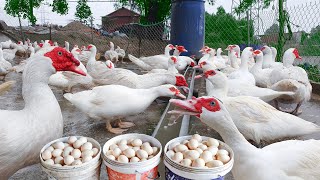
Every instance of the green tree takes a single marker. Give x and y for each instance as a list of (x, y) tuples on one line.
[(246, 4), (274, 29), (83, 11), (60, 6)]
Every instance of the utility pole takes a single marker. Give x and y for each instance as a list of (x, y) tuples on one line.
[(281, 40)]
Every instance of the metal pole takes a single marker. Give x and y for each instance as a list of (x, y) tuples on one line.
[(281, 31), (91, 23), (50, 32), (248, 27)]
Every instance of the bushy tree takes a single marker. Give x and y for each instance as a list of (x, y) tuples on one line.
[(83, 11), (60, 6), (274, 29), (246, 4)]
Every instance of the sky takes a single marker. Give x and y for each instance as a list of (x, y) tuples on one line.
[(99, 9)]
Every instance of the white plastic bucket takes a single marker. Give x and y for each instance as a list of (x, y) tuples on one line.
[(175, 171), (145, 170), (86, 171)]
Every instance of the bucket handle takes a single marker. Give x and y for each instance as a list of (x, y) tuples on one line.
[(150, 178)]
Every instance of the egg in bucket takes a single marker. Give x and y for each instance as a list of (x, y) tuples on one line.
[(197, 157), (131, 157), (71, 158)]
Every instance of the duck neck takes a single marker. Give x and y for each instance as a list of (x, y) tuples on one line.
[(258, 64), (156, 79), (92, 56), (288, 60), (231, 135), (111, 46), (234, 62), (244, 63), (176, 52), (220, 86), (219, 54), (167, 51)]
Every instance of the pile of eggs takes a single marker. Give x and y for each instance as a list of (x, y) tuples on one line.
[(198, 153), (74, 152), (132, 150)]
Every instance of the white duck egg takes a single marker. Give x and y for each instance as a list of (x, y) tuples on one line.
[(49, 161), (58, 145), (155, 150), (50, 148), (144, 159), (109, 152), (145, 144), (66, 145), (68, 160), (203, 147), (170, 153), (46, 155), (58, 165), (116, 152), (148, 149), (86, 159), (206, 156), (123, 159), (191, 154), (186, 162), (113, 146), (149, 157), (87, 153), (136, 143), (136, 148), (129, 153), (123, 141), (142, 154), (199, 150), (180, 148), (78, 144), (111, 157), (213, 142), (223, 158), (76, 162), (129, 141), (76, 153), (134, 159), (173, 145), (185, 142), (66, 152), (197, 137), (69, 148), (214, 163), (204, 142), (198, 163), (177, 157), (72, 139), (193, 144), (58, 160), (83, 139), (222, 152), (123, 147), (57, 152), (86, 146), (213, 150), (95, 151)]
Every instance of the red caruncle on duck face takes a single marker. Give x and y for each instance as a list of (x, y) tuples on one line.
[(63, 60), (181, 81), (209, 73), (174, 59), (211, 104)]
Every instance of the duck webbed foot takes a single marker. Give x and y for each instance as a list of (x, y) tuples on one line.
[(114, 130)]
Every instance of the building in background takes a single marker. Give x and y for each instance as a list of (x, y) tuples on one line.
[(119, 18)]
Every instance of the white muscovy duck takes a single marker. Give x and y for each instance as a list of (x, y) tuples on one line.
[(67, 46), (183, 61), (25, 132), (110, 64), (153, 62), (262, 76), (274, 53), (256, 119), (67, 80), (5, 66), (6, 44), (36, 46), (233, 56), (291, 78), (269, 58), (10, 54), (105, 102), (285, 160), (121, 53), (111, 54), (243, 74), (172, 60), (235, 48), (94, 67)]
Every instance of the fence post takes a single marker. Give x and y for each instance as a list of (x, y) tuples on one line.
[(50, 32), (91, 23), (281, 31)]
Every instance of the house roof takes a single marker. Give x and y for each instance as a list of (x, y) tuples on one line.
[(122, 12)]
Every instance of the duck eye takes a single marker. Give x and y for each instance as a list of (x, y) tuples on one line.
[(60, 53), (212, 103)]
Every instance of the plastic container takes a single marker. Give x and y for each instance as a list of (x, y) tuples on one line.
[(144, 170), (188, 25), (86, 171), (175, 171)]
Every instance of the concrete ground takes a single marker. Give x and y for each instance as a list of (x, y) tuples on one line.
[(77, 123)]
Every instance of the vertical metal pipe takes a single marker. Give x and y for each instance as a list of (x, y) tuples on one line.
[(281, 31)]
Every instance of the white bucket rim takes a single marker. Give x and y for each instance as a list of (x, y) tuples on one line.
[(196, 169), (95, 144)]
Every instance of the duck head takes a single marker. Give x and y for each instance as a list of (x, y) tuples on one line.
[(170, 90), (290, 55), (109, 64), (63, 60), (181, 81), (266, 50), (204, 49)]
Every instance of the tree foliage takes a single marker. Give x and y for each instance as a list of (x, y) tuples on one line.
[(83, 11), (60, 6), (151, 11), (246, 4), (222, 29), (274, 29)]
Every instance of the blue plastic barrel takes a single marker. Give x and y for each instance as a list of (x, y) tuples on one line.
[(187, 25)]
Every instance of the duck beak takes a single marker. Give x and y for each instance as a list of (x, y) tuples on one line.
[(196, 67), (198, 76), (179, 95), (186, 107)]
